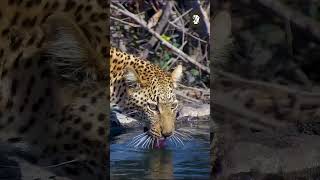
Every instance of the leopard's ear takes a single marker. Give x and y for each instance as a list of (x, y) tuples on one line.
[(131, 78), (70, 51), (176, 74)]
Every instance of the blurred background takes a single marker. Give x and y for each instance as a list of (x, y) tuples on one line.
[(265, 89)]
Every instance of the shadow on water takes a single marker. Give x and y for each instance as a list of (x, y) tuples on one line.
[(190, 161)]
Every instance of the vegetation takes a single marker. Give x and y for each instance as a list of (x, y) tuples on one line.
[(165, 34)]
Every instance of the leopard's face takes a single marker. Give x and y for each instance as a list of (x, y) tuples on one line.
[(155, 103)]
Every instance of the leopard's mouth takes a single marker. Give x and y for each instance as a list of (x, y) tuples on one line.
[(150, 139)]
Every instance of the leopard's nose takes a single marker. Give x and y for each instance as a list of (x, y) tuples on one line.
[(166, 134)]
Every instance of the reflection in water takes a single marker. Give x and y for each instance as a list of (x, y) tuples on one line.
[(188, 162), (161, 166)]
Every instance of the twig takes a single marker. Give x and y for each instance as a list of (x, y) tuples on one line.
[(125, 22), (194, 88), (187, 97), (205, 17), (183, 30), (160, 27), (138, 14), (181, 22), (204, 85), (179, 17), (171, 60), (170, 46), (204, 24)]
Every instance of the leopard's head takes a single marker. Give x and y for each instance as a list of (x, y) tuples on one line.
[(152, 96)]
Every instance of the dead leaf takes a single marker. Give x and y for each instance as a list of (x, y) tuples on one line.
[(153, 21)]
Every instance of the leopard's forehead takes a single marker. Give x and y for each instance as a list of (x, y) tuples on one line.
[(163, 90)]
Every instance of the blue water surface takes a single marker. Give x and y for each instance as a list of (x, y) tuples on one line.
[(192, 161)]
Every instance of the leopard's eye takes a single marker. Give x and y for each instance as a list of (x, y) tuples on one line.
[(153, 106)]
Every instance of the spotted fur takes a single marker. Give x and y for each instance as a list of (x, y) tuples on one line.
[(144, 90), (53, 75), (53, 83)]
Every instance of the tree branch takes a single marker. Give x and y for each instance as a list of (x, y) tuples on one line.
[(164, 42)]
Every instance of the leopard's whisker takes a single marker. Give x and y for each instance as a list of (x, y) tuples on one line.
[(136, 138), (132, 142), (185, 131), (170, 140), (145, 142), (174, 140), (150, 142), (151, 139), (141, 140), (135, 141), (129, 144), (183, 135), (182, 138), (179, 140)]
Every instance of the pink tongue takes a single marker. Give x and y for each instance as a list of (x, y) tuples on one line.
[(160, 144)]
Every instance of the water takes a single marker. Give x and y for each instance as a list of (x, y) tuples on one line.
[(192, 161)]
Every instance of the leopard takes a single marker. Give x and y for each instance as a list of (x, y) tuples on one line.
[(54, 85), (145, 91), (55, 67)]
